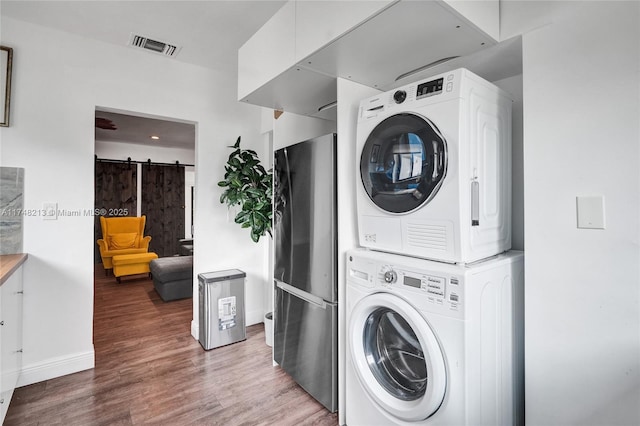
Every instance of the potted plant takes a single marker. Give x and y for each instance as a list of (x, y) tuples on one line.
[(249, 186)]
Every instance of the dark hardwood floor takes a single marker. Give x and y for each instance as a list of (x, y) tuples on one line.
[(149, 370)]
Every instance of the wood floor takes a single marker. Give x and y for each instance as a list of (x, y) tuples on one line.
[(149, 370)]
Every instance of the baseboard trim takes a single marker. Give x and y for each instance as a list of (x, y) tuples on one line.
[(56, 367), (195, 331), (254, 317)]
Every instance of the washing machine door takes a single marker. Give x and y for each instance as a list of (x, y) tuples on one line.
[(403, 162), (397, 357)]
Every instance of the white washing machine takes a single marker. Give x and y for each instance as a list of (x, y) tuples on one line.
[(434, 172), (431, 343)]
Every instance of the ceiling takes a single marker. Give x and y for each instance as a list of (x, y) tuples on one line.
[(208, 32), (125, 128)]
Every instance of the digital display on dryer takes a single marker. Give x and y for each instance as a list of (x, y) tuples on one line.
[(412, 282), (429, 88)]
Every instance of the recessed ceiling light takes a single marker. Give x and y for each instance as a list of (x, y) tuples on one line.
[(155, 138)]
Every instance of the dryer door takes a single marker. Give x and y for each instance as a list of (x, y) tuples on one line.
[(403, 162), (397, 357)]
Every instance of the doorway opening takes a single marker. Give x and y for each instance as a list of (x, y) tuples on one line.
[(144, 166)]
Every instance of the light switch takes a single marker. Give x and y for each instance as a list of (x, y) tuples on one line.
[(50, 211), (590, 211)]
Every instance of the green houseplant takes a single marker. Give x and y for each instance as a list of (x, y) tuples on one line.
[(249, 186)]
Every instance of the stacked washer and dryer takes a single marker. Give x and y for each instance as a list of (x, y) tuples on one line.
[(434, 301)]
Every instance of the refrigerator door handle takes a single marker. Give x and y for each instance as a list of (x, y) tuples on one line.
[(307, 297)]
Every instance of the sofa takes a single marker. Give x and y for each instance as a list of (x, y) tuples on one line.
[(120, 236), (186, 247)]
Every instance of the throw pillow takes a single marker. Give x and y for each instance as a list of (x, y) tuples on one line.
[(123, 240)]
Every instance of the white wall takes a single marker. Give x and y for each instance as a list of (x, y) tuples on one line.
[(581, 137), (59, 79)]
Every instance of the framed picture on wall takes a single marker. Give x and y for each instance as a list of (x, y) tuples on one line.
[(6, 59)]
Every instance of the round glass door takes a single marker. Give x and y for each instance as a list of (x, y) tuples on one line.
[(394, 354), (403, 162), (397, 357)]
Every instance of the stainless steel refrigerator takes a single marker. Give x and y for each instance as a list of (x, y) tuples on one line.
[(305, 340)]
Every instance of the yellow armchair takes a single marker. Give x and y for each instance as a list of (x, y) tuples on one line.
[(122, 235)]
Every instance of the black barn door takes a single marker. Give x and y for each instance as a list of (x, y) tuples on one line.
[(163, 202)]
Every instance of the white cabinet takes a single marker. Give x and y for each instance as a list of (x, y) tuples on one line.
[(405, 37), (268, 71), (293, 61), (268, 53), (318, 23), (10, 337), (483, 14)]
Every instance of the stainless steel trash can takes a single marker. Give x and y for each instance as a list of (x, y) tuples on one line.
[(221, 306)]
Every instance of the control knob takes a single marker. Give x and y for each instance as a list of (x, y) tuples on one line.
[(389, 275), (399, 96)]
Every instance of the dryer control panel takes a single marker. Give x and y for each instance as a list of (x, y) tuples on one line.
[(438, 88), (429, 88)]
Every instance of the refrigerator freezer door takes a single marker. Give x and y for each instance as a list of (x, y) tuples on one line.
[(305, 343), (305, 216)]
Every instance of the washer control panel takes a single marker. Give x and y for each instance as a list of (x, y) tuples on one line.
[(429, 283), (390, 277), (437, 288)]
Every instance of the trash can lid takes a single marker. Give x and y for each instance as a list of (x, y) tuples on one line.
[(228, 274)]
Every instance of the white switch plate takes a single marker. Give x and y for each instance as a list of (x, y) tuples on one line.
[(590, 211), (50, 211)]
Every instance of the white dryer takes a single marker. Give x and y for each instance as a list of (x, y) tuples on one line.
[(431, 343), (434, 171)]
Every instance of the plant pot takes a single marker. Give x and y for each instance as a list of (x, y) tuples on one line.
[(268, 328)]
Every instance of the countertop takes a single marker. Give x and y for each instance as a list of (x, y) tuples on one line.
[(9, 263)]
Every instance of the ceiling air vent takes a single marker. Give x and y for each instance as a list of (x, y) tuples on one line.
[(156, 46)]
